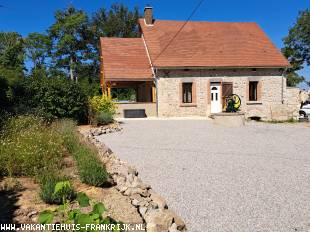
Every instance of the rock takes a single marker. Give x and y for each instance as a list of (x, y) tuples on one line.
[(161, 218), (135, 202), (173, 228), (160, 201), (179, 222), (142, 211), (129, 180), (131, 191), (32, 213)]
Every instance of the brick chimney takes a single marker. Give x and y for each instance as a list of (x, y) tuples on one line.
[(148, 15)]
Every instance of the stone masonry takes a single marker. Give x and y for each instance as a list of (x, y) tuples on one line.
[(275, 100)]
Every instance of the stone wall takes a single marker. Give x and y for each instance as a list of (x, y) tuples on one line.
[(275, 102)]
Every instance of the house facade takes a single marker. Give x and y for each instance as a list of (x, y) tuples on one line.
[(181, 69)]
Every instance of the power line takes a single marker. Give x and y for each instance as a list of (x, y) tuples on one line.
[(181, 28)]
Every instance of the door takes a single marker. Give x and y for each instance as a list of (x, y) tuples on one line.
[(216, 104)]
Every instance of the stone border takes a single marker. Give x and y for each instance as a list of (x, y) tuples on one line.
[(151, 206)]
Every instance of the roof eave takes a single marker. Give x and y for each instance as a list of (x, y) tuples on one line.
[(220, 67)]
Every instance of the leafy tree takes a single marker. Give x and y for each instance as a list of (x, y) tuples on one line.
[(11, 56), (297, 47), (119, 21), (52, 98), (38, 47), (69, 38)]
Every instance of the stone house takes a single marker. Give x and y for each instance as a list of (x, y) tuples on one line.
[(179, 69)]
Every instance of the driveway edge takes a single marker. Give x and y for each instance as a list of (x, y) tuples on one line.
[(150, 205)]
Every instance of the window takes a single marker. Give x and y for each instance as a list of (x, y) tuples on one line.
[(187, 90), (253, 90)]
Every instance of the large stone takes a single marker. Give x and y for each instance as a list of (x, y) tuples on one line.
[(157, 199), (162, 219)]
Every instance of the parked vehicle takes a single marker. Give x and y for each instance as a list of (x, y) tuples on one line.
[(304, 111)]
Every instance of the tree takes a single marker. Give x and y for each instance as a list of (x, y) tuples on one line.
[(69, 40), (297, 47), (11, 50), (38, 47), (118, 21), (11, 64)]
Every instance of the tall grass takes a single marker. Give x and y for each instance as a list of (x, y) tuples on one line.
[(31, 147), (91, 170), (28, 146)]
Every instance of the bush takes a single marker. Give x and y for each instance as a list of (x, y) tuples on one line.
[(53, 98), (91, 170), (102, 118), (48, 181), (28, 146), (102, 110)]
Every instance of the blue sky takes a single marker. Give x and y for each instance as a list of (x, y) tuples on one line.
[(274, 16)]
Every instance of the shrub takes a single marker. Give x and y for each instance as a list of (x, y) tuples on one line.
[(102, 110), (48, 182), (65, 215), (91, 171), (102, 118), (53, 98), (28, 146)]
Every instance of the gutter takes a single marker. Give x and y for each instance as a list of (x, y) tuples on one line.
[(216, 67)]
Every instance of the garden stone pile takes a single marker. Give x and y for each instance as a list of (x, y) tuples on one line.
[(107, 129), (151, 206)]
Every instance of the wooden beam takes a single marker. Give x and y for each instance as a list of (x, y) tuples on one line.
[(153, 94)]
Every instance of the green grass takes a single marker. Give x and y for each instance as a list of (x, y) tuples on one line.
[(48, 181), (28, 146), (31, 147), (91, 170)]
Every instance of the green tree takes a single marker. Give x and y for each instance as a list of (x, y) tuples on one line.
[(119, 21), (11, 65), (297, 47), (38, 47), (11, 56), (70, 36)]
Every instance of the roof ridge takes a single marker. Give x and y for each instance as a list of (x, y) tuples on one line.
[(202, 21)]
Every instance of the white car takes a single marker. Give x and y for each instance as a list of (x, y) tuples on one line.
[(304, 111)]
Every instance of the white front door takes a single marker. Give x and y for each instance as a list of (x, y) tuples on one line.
[(216, 105)]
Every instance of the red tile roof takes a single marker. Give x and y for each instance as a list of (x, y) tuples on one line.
[(125, 58), (210, 44), (199, 44)]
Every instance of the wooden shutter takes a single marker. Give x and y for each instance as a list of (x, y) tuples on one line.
[(227, 89)]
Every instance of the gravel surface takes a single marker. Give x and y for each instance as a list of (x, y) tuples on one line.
[(252, 178)]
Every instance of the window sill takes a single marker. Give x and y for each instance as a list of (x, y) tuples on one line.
[(188, 105), (254, 103)]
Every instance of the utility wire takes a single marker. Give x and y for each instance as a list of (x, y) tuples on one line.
[(179, 31)]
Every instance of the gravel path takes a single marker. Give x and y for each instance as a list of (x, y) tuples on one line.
[(247, 179)]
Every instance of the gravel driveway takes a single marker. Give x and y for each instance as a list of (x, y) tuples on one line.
[(247, 179)]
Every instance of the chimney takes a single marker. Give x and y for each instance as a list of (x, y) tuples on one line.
[(148, 15)]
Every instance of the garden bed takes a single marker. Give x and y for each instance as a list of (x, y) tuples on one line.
[(23, 204), (37, 156)]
